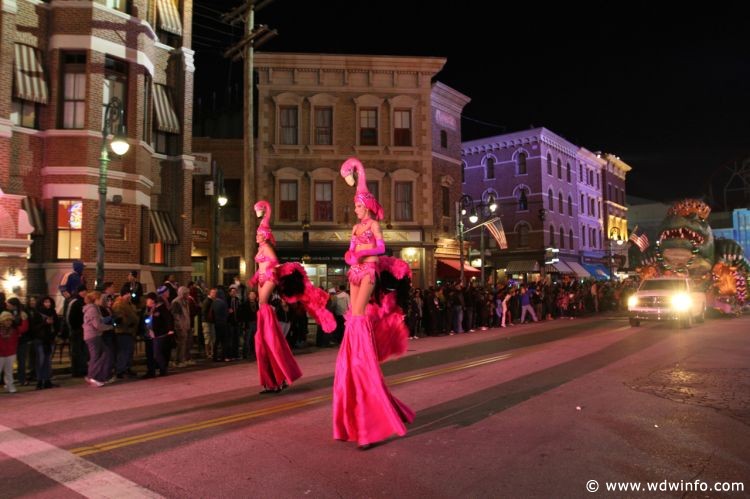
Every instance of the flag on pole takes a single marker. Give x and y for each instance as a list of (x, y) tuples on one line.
[(639, 240), (495, 226)]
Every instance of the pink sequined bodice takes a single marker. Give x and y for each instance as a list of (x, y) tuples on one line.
[(261, 258)]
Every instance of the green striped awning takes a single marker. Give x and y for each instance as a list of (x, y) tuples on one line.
[(29, 75), (166, 117), (169, 17)]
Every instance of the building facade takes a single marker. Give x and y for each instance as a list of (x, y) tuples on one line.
[(62, 63), (550, 199), (316, 110)]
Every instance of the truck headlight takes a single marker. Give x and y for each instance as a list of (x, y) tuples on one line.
[(681, 302), (632, 301)]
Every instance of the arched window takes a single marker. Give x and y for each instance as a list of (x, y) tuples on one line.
[(568, 165), (570, 239), (523, 201), (551, 200), (549, 164), (521, 160), (570, 206), (490, 168), (583, 235), (463, 173), (523, 236), (559, 168), (582, 206), (580, 172), (560, 203), (552, 236), (562, 238)]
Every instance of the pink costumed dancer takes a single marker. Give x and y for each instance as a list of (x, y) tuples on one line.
[(276, 365), (363, 408)]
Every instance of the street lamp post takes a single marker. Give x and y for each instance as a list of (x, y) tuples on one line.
[(219, 201), (462, 206), (114, 114), (614, 238)]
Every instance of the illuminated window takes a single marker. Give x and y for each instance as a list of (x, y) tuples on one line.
[(288, 201), (402, 127), (156, 253), (323, 201), (404, 207), (69, 228), (368, 127), (24, 113)]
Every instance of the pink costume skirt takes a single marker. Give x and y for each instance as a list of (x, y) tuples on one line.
[(363, 408), (268, 275), (358, 272), (276, 363)]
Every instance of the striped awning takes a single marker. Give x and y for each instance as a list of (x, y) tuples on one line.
[(166, 118), (31, 208), (578, 269), (169, 17), (558, 268), (522, 266), (29, 75), (162, 230)]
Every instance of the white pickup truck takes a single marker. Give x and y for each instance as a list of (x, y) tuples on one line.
[(667, 299)]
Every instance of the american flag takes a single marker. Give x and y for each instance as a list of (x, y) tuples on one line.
[(639, 240), (495, 226)]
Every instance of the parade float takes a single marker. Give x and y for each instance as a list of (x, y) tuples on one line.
[(686, 246)]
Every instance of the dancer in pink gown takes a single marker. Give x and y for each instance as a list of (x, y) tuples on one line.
[(364, 411), (276, 365)]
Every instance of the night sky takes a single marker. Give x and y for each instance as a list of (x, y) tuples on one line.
[(670, 97)]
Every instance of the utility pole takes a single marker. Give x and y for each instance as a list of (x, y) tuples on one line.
[(253, 38)]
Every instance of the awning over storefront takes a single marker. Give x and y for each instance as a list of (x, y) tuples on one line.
[(166, 118), (452, 268), (169, 17), (597, 271), (162, 230), (29, 75), (31, 208), (522, 266), (558, 267), (578, 269)]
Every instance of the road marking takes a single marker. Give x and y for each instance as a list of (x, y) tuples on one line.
[(177, 430), (79, 475)]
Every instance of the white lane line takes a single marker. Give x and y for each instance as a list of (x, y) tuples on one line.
[(75, 473)]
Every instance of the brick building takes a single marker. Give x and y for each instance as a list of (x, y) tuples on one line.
[(549, 194), (61, 63), (316, 110)]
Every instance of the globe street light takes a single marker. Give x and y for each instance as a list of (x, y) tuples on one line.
[(615, 237), (114, 114), (463, 205)]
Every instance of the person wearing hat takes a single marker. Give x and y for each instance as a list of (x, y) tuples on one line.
[(71, 281), (160, 328), (9, 334)]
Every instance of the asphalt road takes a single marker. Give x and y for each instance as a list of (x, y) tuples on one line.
[(538, 410)]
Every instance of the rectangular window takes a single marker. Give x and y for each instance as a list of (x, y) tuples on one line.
[(146, 134), (374, 187), (323, 202), (74, 90), (232, 211), (156, 253), (288, 122), (404, 206), (288, 200), (24, 113), (323, 126), (115, 85), (446, 201), (583, 204), (368, 127), (121, 5), (166, 143), (69, 228), (402, 127)]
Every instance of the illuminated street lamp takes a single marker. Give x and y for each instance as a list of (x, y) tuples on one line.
[(467, 206), (114, 114), (463, 205), (615, 237)]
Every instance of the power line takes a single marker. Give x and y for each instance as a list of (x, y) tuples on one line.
[(494, 125)]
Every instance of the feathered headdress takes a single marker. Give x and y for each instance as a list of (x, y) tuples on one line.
[(262, 208), (363, 195)]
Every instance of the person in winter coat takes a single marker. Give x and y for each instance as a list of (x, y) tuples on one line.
[(20, 320), (125, 322), (94, 326), (44, 341), (9, 334), (160, 324), (180, 310)]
